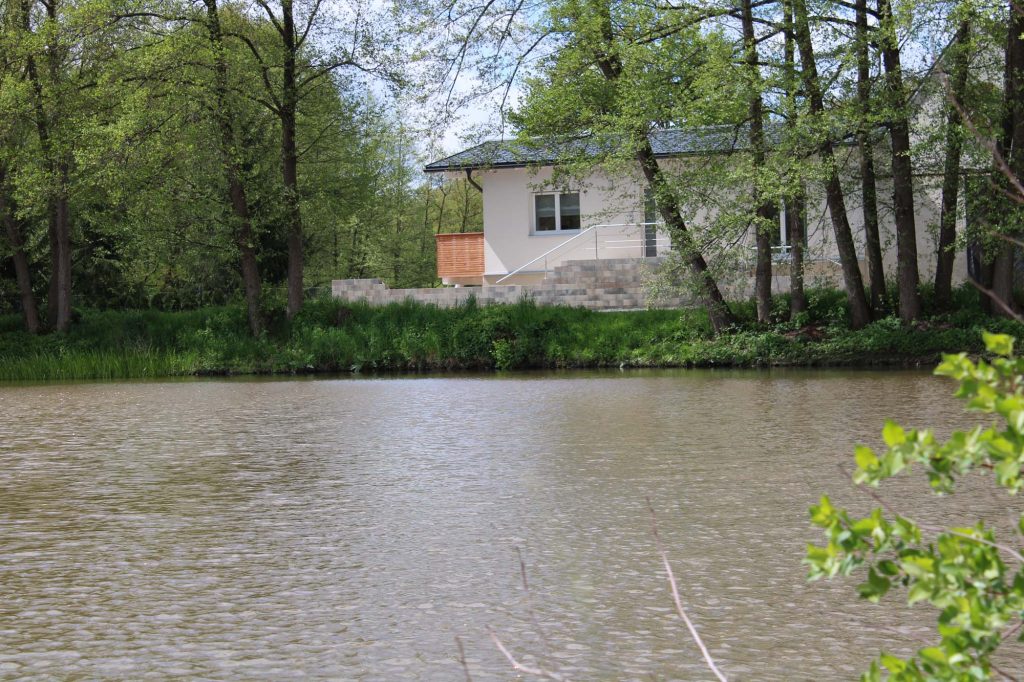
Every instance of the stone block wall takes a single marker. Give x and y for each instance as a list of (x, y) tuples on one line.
[(610, 284)]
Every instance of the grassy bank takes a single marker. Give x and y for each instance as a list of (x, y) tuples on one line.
[(333, 337)]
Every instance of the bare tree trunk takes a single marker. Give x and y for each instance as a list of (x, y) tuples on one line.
[(795, 203), (21, 266), (860, 313), (951, 170), (869, 190), (243, 234), (795, 212), (767, 213), (902, 171), (711, 296), (465, 210), (440, 208), (1011, 147), (62, 259)]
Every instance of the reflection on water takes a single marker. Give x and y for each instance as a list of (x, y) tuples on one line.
[(352, 528)]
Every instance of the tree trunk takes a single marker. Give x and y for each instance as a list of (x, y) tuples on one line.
[(718, 310), (951, 170), (860, 313), (767, 213), (62, 259), (245, 242), (711, 296), (796, 202), (902, 171), (243, 234), (290, 160), (869, 185), (1002, 277), (795, 221), (21, 267), (58, 168), (1011, 147)]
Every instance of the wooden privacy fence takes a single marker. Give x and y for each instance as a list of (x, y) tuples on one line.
[(460, 254)]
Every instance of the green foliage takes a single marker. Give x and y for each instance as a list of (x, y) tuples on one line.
[(974, 580), (332, 336)]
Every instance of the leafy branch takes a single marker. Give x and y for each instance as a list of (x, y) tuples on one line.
[(976, 581)]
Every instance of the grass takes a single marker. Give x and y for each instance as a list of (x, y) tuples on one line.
[(331, 336)]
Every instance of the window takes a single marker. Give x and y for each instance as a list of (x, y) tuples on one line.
[(783, 238), (651, 216), (556, 212)]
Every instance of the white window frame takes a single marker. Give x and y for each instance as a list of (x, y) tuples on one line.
[(558, 214)]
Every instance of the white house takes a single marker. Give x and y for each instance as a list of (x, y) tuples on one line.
[(531, 226)]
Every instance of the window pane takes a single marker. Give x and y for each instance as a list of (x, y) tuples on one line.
[(569, 205), (650, 208), (545, 212)]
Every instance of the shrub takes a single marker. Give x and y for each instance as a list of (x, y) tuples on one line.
[(975, 581)]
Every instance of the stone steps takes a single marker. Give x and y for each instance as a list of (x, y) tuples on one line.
[(609, 284)]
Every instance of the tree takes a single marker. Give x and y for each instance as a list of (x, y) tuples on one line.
[(604, 68), (221, 109), (1008, 161), (41, 45), (364, 46), (767, 210), (902, 169), (795, 198), (959, 59), (14, 234), (859, 310), (865, 147)]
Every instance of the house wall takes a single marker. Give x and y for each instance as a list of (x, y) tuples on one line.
[(510, 243)]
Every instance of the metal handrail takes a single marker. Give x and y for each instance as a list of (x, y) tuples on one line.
[(568, 241)]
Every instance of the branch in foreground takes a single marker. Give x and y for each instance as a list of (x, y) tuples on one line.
[(997, 300), (679, 602), (462, 658), (1013, 553), (519, 667)]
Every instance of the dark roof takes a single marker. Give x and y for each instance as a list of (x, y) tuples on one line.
[(537, 152)]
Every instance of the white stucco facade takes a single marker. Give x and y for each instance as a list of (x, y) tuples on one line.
[(512, 242)]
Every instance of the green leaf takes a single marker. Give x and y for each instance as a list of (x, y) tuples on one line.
[(893, 434), (865, 458), (893, 664), (934, 655), (998, 344)]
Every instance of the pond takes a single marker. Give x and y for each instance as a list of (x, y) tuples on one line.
[(352, 528)]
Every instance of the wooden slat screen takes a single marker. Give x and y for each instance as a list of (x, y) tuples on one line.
[(460, 254)]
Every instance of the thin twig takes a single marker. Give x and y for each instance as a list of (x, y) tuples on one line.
[(1003, 674), (519, 667), (1012, 240), (462, 658), (985, 141), (995, 297), (529, 606), (935, 529), (679, 602)]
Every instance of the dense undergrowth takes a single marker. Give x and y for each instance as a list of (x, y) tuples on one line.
[(330, 336)]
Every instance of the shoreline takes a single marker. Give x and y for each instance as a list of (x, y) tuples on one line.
[(331, 337)]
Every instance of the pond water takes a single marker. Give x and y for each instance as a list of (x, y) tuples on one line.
[(352, 528)]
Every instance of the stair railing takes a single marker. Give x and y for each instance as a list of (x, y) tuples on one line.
[(576, 241)]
